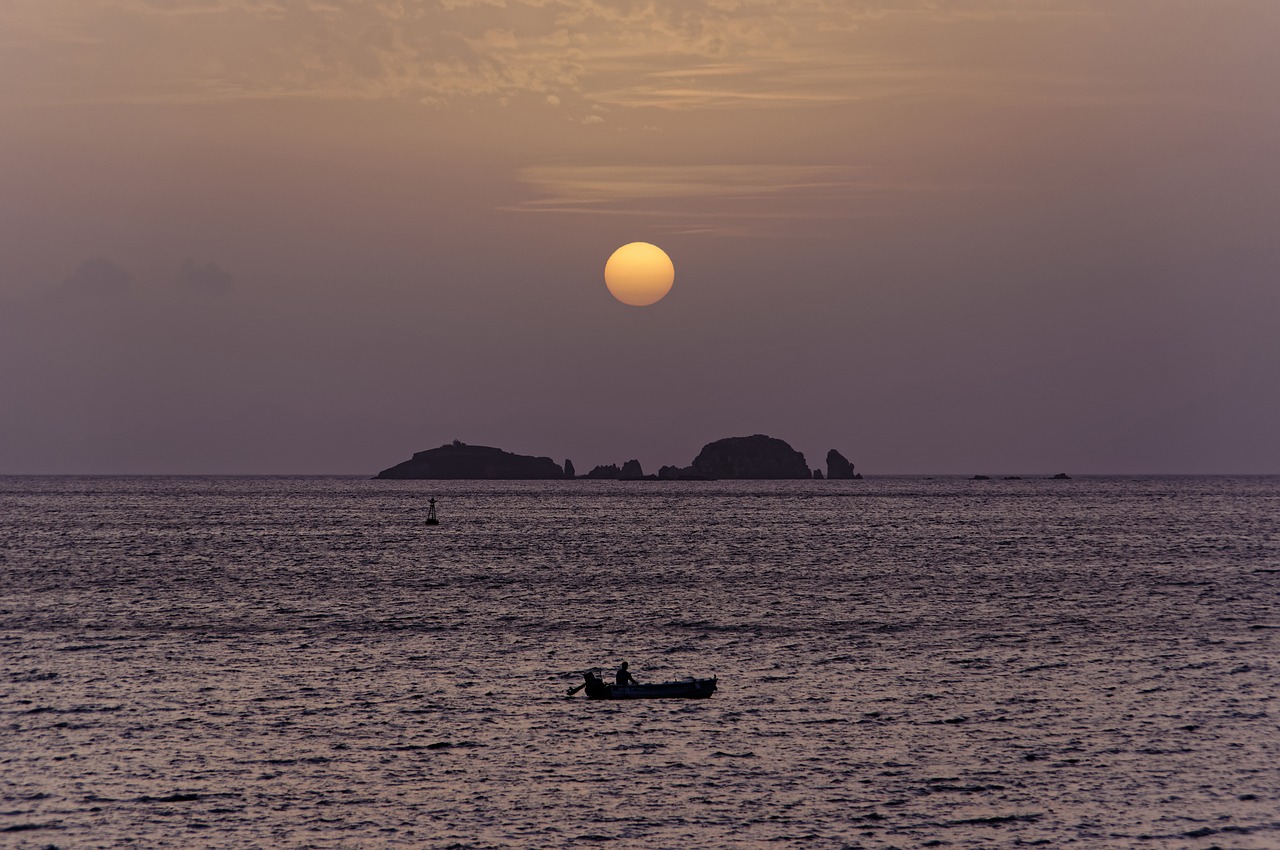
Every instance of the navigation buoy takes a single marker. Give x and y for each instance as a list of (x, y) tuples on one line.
[(431, 513)]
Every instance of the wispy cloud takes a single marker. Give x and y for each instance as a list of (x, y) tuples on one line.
[(98, 277), (710, 199), (665, 54), (203, 277), (628, 184)]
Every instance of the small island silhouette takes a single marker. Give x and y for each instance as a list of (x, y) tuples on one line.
[(754, 457), (459, 461)]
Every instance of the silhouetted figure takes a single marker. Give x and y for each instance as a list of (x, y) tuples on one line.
[(624, 677), (431, 513)]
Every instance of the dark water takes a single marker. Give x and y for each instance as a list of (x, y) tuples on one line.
[(299, 662)]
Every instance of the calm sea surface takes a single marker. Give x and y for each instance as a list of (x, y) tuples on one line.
[(904, 662)]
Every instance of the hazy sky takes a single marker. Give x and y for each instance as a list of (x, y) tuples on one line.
[(998, 236)]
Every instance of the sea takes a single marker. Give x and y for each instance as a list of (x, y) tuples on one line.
[(902, 662)]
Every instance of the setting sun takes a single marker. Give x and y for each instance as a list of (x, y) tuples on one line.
[(639, 274)]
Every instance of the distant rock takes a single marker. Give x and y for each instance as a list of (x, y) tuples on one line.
[(817, 474), (839, 467), (568, 468), (1013, 478), (756, 456), (680, 473), (1062, 476), (605, 473), (631, 471), (457, 460), (981, 478)]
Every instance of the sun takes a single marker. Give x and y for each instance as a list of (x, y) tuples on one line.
[(639, 274)]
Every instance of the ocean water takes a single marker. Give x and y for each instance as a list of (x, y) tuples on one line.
[(903, 662)]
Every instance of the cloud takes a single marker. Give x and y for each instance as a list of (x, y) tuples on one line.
[(206, 7), (662, 54), (98, 277), (626, 184), (709, 199), (204, 277)]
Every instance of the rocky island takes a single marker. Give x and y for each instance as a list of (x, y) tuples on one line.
[(838, 468), (757, 457), (753, 457), (459, 461)]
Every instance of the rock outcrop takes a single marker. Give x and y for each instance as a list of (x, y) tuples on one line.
[(568, 468), (756, 456), (839, 467), (631, 471), (817, 474), (681, 473), (457, 460)]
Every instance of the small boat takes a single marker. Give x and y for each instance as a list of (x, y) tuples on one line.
[(689, 688)]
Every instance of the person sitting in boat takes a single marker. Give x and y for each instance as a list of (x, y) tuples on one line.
[(624, 676)]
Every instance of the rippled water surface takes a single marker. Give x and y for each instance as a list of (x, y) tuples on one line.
[(300, 662)]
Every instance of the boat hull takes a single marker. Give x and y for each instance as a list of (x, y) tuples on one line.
[(683, 689)]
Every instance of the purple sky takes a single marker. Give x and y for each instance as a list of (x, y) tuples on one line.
[(266, 236)]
